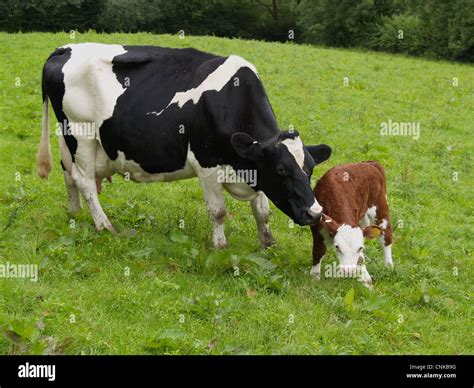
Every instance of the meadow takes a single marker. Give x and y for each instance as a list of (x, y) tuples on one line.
[(158, 287)]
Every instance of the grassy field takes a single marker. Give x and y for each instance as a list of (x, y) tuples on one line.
[(156, 288)]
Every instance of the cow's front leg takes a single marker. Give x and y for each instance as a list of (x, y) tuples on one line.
[(214, 197), (83, 175), (261, 212)]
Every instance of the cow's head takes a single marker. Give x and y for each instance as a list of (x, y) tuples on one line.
[(284, 168)]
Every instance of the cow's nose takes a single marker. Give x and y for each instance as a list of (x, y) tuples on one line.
[(314, 217)]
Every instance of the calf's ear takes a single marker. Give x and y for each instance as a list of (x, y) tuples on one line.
[(320, 152), (329, 224), (372, 231), (246, 146)]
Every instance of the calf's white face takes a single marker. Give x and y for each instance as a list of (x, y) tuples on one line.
[(349, 245), (349, 242)]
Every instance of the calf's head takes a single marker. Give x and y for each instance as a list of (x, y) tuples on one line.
[(349, 242), (284, 168)]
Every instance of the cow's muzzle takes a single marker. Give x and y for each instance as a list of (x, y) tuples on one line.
[(310, 217)]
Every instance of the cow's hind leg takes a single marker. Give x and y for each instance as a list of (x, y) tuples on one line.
[(261, 212), (73, 195), (83, 175)]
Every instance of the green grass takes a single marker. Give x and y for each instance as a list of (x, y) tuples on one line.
[(153, 288)]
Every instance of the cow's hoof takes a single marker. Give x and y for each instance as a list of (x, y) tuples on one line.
[(220, 246), (220, 243), (107, 226), (267, 242)]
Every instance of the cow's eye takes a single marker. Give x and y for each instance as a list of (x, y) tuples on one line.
[(337, 248), (360, 249), (281, 170)]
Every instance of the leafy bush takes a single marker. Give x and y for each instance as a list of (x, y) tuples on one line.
[(339, 23), (400, 33), (49, 15)]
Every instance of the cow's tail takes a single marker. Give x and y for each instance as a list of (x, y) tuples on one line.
[(43, 157)]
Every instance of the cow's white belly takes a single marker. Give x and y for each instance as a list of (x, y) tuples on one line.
[(241, 191), (130, 169), (133, 171)]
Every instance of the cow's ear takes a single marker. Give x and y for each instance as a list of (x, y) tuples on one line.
[(246, 146), (372, 231), (320, 152)]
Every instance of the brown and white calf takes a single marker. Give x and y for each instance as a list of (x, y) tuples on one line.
[(354, 199)]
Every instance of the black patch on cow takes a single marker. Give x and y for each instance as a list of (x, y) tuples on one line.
[(152, 76), (243, 108), (288, 135), (159, 143), (53, 87), (132, 58)]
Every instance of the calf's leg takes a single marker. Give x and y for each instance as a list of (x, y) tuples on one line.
[(386, 243), (383, 220), (319, 249), (364, 277)]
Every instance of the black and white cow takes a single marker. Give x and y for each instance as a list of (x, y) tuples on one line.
[(163, 114)]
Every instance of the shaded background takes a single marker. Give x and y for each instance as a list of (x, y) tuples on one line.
[(431, 28)]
